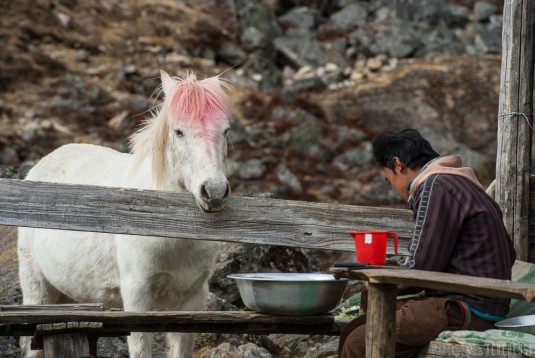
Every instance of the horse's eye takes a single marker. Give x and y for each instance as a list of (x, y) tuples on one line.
[(179, 133), (227, 131)]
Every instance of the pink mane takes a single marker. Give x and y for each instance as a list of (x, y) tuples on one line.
[(197, 101)]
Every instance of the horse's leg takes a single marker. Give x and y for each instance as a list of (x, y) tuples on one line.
[(134, 270), (182, 344), (36, 289), (136, 298)]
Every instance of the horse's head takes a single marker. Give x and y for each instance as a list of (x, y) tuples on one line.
[(188, 144)]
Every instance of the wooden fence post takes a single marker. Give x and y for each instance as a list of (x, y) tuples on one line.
[(381, 323), (66, 345), (515, 118)]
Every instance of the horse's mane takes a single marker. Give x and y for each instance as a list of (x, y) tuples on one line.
[(190, 100)]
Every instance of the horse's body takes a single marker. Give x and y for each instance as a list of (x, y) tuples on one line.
[(179, 149)]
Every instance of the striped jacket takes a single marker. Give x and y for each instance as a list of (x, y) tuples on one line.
[(459, 229)]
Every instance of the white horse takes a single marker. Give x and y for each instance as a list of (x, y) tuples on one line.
[(181, 148)]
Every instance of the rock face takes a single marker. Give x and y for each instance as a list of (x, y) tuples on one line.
[(314, 82)]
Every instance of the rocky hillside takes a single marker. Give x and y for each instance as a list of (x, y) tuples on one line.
[(314, 81)]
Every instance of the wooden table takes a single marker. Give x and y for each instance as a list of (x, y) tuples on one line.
[(382, 289)]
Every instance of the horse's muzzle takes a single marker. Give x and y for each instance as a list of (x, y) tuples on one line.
[(213, 197)]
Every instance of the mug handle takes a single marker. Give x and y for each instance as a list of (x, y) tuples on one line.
[(395, 235)]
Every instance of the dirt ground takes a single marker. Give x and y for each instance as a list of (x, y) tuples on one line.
[(9, 280)]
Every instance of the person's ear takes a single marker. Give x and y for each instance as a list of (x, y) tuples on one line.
[(399, 166)]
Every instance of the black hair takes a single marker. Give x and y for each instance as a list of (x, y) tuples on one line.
[(408, 145)]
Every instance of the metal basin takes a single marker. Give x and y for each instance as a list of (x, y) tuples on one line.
[(524, 324), (290, 293)]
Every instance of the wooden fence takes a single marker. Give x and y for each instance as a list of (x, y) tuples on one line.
[(157, 213), (244, 220)]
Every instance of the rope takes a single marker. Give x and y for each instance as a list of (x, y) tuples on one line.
[(512, 114)]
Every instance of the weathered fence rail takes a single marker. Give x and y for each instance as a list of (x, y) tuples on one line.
[(116, 323), (156, 213)]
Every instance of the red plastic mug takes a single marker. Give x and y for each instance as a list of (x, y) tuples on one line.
[(370, 245)]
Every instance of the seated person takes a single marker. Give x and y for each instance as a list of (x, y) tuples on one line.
[(458, 229)]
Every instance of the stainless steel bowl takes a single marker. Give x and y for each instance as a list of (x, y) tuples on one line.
[(525, 324), (290, 293)]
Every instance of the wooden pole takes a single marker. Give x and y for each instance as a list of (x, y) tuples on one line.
[(66, 345), (515, 120), (381, 321)]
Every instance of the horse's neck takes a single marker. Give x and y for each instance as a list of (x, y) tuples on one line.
[(141, 177)]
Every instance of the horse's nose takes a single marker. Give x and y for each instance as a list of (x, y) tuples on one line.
[(210, 193)]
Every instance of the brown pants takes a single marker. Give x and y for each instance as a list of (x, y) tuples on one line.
[(418, 322)]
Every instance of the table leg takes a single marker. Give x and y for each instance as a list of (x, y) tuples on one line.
[(381, 321)]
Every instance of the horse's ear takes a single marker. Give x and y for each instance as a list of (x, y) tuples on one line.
[(167, 83)]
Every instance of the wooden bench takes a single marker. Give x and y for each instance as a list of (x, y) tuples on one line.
[(382, 289), (73, 330)]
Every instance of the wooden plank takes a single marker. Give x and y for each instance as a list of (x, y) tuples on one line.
[(531, 227), (77, 335), (381, 322), (65, 327), (66, 345), (443, 281), (158, 213), (55, 307), (514, 130), (115, 323)]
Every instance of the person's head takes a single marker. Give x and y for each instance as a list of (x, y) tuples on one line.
[(402, 155)]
